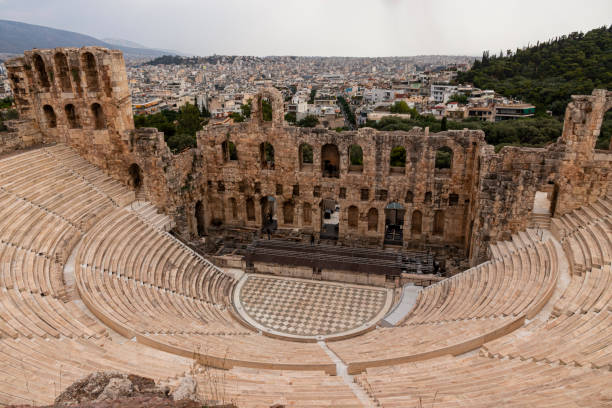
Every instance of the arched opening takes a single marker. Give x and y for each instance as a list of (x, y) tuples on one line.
[(41, 72), (229, 151), (604, 140), (266, 109), (88, 62), (61, 67), (306, 156), (136, 176), (353, 217), (98, 116), (268, 213), (330, 160), (373, 219), (397, 160), (250, 209), (288, 209), (394, 223), (438, 227), (233, 208), (306, 214), (200, 219), (409, 197), (355, 158), (330, 218), (453, 199), (71, 116), (50, 118), (541, 204), (416, 222), (266, 155), (444, 158), (427, 199)]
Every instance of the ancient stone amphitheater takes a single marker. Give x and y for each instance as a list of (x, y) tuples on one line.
[(92, 280)]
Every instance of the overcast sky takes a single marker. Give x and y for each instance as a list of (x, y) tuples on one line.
[(318, 27)]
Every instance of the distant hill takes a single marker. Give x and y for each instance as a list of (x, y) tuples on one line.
[(547, 73), (16, 37)]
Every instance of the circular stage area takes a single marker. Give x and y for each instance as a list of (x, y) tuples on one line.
[(307, 309)]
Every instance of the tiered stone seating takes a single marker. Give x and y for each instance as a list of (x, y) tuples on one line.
[(46, 340), (35, 370), (149, 213), (461, 313), (478, 381), (253, 388), (522, 239), (579, 330), (141, 283)]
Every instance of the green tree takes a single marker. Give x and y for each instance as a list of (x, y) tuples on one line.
[(246, 108), (189, 120), (236, 117), (290, 117), (313, 93), (180, 142), (308, 121), (266, 110), (459, 98), (398, 157), (444, 124)]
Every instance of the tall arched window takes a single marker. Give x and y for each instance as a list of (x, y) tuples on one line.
[(71, 116), (330, 160), (397, 159), (88, 62), (416, 222), (355, 158), (41, 72), (136, 176), (444, 158), (438, 227), (306, 156), (50, 117), (372, 219), (427, 199), (306, 213), (61, 67), (288, 208), (353, 217), (98, 116), (266, 155), (409, 197), (250, 209), (229, 151), (233, 208), (200, 220)]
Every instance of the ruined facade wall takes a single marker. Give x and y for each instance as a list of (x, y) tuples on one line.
[(78, 96), (483, 197)]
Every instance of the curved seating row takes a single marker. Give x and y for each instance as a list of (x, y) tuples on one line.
[(254, 388), (143, 284), (519, 282), (46, 340), (479, 381)]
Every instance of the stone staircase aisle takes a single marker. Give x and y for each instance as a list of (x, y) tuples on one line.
[(148, 212)]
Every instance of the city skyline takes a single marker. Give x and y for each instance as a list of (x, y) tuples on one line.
[(337, 28)]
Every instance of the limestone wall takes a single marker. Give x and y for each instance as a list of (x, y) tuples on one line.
[(21, 134)]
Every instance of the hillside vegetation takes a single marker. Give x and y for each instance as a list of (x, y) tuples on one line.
[(548, 73)]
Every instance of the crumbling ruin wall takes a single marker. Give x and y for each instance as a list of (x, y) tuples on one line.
[(80, 97), (77, 96), (21, 134)]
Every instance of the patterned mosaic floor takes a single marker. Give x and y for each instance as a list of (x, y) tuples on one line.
[(308, 308)]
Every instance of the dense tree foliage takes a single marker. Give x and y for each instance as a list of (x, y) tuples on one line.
[(290, 117), (402, 107), (347, 111), (179, 128), (459, 98), (266, 110), (6, 102), (308, 121), (535, 132), (548, 73)]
